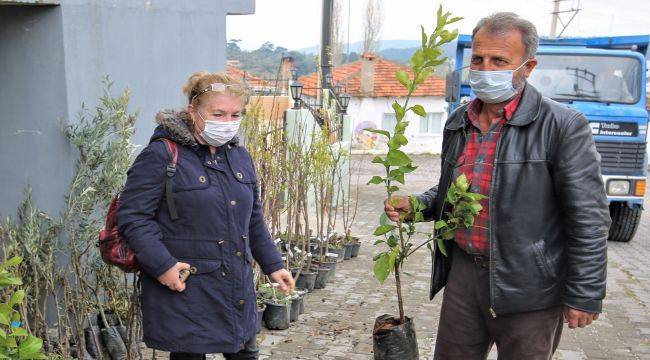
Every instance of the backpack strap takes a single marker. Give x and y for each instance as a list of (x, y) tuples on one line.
[(172, 150)]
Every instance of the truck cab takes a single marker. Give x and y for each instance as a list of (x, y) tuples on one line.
[(605, 79)]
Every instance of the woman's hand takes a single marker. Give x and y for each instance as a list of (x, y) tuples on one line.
[(284, 280), (171, 278)]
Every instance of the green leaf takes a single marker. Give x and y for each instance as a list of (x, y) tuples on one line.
[(381, 268), (378, 160), (379, 131), (392, 241), (393, 256), (383, 219), (408, 168), (393, 188), (440, 224), (400, 128), (400, 139), (424, 36), (397, 158), (378, 242), (17, 298), (403, 78), (462, 183), (376, 180), (399, 111), (16, 260), (419, 109), (448, 234), (417, 59), (383, 229), (442, 247), (19, 332), (476, 208), (397, 175), (29, 347)]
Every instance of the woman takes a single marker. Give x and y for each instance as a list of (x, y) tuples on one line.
[(217, 231)]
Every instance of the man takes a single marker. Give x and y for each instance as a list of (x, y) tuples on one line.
[(537, 252)]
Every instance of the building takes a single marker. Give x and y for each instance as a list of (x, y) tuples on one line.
[(55, 54), (373, 86)]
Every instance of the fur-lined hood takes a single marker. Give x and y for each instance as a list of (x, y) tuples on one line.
[(174, 122)]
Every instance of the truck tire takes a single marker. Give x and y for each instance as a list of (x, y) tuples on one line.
[(625, 221)]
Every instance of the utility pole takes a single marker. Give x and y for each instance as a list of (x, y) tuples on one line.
[(326, 43), (555, 15)]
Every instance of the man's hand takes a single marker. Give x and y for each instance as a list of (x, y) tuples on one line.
[(398, 204), (284, 280), (577, 318), (171, 278)]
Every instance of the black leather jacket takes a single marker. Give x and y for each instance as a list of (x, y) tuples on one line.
[(548, 209)]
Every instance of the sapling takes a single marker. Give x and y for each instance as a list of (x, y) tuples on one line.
[(397, 164)]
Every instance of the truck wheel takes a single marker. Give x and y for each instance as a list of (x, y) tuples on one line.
[(625, 221)]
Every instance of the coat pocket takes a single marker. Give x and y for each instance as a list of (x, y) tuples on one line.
[(204, 293), (542, 260)]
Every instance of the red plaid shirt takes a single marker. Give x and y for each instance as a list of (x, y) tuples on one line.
[(477, 163)]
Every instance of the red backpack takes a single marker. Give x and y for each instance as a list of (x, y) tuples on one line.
[(113, 247)]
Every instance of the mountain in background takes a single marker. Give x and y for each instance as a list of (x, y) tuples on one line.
[(265, 61)]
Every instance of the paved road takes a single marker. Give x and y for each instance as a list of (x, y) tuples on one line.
[(338, 320)]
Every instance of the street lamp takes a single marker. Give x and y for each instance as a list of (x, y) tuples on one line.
[(296, 92), (294, 74), (345, 101), (337, 89)]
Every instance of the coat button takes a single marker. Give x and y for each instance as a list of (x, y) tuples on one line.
[(202, 178), (243, 237), (241, 302), (239, 175), (233, 202), (238, 253), (223, 273), (209, 162)]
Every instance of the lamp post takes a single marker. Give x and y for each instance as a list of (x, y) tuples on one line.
[(296, 92), (345, 101), (337, 89)]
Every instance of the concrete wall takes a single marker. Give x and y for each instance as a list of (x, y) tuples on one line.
[(370, 111), (53, 58)]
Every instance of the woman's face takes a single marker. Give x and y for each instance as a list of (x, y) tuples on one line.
[(221, 107)]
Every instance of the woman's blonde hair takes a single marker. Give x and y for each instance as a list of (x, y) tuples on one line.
[(201, 80)]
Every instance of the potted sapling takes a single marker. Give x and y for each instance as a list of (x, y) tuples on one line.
[(394, 337), (277, 312)]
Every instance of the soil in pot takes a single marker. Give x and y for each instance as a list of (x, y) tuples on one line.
[(260, 314), (276, 316), (306, 280), (392, 341)]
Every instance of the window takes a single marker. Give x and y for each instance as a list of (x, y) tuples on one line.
[(388, 122), (432, 123)]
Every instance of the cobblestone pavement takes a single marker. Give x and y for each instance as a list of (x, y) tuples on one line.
[(338, 320)]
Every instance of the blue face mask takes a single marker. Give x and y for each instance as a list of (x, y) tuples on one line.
[(493, 87)]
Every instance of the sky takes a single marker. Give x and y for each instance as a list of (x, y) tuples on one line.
[(296, 24)]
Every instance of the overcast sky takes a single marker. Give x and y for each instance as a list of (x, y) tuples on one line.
[(296, 24)]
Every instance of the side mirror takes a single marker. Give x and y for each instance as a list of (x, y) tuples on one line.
[(452, 85)]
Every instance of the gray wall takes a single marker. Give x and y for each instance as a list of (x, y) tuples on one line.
[(53, 58)]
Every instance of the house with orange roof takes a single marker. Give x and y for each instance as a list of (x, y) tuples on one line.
[(373, 87)]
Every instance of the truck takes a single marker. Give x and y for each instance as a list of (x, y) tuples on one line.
[(605, 79)]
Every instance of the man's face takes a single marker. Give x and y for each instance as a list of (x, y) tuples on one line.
[(491, 52)]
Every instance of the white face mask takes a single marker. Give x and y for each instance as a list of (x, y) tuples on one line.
[(217, 133), (493, 87)]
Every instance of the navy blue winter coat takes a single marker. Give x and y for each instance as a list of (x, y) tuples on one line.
[(219, 231)]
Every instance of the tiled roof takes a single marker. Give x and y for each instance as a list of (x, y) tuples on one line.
[(385, 82), (238, 73)]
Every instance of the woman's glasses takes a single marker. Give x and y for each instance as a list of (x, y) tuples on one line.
[(219, 87)]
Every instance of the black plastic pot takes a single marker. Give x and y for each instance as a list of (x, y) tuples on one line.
[(348, 251), (93, 340), (113, 342), (260, 314), (340, 252), (306, 280), (303, 293), (277, 316), (322, 275), (355, 249), (296, 303), (330, 264), (392, 341)]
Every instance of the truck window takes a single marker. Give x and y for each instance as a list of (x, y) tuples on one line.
[(606, 79)]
